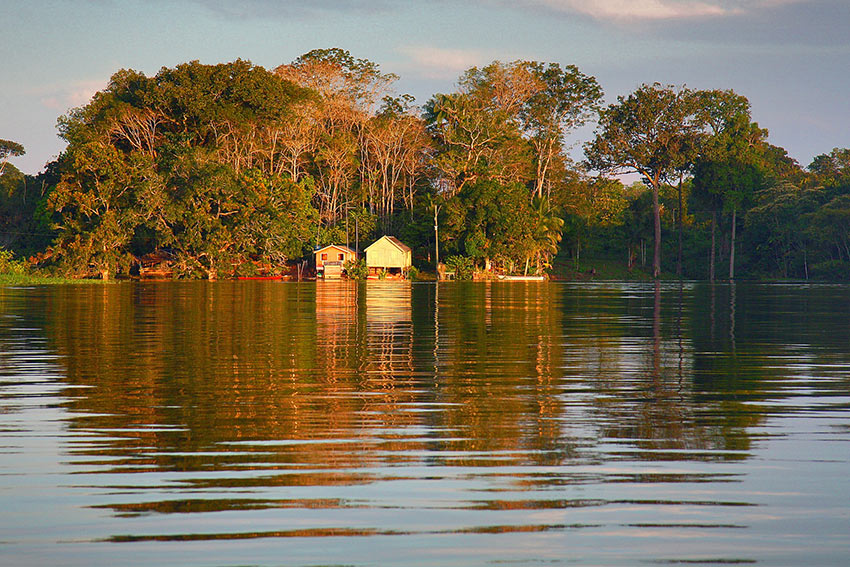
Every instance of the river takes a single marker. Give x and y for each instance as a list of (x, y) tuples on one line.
[(422, 424)]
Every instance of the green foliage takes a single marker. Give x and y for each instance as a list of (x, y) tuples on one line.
[(231, 169), (9, 265), (650, 132), (474, 141), (508, 122), (733, 159), (654, 132), (160, 163), (9, 148), (832, 270), (490, 221), (832, 169), (356, 269), (462, 266), (829, 227), (776, 226)]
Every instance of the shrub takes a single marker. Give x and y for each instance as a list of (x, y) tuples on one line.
[(462, 266), (356, 269), (835, 270), (8, 264)]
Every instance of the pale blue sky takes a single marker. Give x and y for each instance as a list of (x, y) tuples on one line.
[(791, 58)]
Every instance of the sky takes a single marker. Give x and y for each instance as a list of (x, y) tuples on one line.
[(790, 58)]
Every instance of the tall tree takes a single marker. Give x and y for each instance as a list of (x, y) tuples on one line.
[(508, 122), (777, 223), (8, 149), (833, 169), (729, 169), (173, 161), (649, 132), (475, 141), (565, 100), (394, 159), (361, 144)]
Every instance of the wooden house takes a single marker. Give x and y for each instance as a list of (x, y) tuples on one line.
[(331, 259), (388, 255)]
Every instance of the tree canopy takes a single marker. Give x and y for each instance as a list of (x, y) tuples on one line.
[(233, 169), (652, 132), (8, 149)]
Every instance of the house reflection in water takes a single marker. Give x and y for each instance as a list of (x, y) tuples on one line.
[(389, 328), (365, 350), (337, 329), (364, 326)]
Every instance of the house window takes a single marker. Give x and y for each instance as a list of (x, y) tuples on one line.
[(324, 257), (341, 257)]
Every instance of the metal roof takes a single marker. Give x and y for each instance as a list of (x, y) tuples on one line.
[(337, 246), (395, 241)]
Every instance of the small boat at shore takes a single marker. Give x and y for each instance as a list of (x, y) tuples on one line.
[(521, 278)]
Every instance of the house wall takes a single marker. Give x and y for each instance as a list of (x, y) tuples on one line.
[(333, 255), (384, 254)]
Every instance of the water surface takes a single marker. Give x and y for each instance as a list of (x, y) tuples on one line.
[(390, 423)]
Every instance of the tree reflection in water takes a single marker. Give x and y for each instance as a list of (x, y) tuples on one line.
[(493, 398), (525, 373)]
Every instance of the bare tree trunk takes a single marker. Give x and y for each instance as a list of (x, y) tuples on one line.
[(679, 226), (437, 240), (806, 264), (732, 247), (713, 246), (656, 257)]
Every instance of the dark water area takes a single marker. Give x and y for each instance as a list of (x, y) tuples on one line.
[(390, 423)]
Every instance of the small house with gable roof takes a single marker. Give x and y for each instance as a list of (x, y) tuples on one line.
[(390, 256), (331, 259)]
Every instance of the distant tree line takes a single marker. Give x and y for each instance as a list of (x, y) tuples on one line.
[(232, 168)]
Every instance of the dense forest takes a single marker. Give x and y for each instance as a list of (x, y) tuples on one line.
[(233, 169)]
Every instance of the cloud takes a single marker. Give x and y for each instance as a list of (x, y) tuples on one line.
[(622, 11), (64, 97), (250, 9), (776, 24), (638, 9), (441, 62)]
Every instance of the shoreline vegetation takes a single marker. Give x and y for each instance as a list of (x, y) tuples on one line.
[(232, 170)]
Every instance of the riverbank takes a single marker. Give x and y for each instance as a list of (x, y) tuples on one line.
[(567, 269), (30, 279)]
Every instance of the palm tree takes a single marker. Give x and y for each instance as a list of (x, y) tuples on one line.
[(547, 232)]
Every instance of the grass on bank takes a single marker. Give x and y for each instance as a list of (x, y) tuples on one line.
[(32, 279), (596, 268), (17, 273)]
